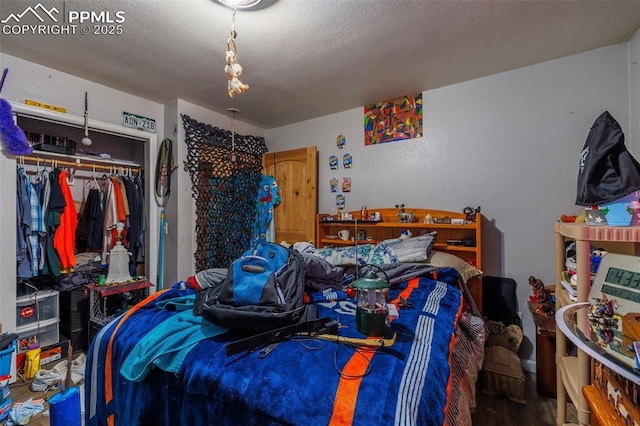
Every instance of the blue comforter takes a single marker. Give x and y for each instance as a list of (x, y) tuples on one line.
[(302, 382)]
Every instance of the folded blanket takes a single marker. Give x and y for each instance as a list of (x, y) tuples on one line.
[(167, 345)]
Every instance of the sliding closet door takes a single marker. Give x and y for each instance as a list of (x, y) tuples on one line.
[(296, 173)]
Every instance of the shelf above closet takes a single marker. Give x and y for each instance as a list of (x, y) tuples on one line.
[(117, 141)]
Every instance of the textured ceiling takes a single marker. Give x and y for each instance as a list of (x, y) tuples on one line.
[(309, 58)]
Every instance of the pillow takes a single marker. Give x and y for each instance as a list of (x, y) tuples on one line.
[(383, 254), (466, 271), (343, 255), (414, 249)]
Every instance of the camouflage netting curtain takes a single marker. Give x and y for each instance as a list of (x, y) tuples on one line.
[(224, 180)]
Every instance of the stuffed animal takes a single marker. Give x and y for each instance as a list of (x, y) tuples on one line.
[(541, 299), (509, 337), (233, 71)]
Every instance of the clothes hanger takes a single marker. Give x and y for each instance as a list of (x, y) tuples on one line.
[(93, 183), (37, 177)]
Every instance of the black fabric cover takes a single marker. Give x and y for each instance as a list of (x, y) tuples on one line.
[(499, 300), (607, 170)]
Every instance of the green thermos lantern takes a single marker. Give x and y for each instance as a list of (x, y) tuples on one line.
[(372, 312)]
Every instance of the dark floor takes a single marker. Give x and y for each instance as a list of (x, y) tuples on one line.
[(501, 411)]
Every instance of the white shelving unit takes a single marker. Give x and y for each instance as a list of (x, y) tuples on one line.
[(574, 371)]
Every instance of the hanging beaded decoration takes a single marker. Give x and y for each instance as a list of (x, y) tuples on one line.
[(225, 191), (233, 68)]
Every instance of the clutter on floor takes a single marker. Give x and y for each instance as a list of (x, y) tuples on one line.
[(23, 411), (57, 393), (502, 373), (48, 379)]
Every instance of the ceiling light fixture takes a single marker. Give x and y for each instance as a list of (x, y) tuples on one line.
[(233, 68), (240, 4), (233, 111)]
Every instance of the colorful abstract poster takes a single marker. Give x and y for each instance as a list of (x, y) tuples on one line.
[(393, 120)]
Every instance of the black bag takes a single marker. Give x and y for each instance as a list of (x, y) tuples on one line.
[(499, 300), (607, 170), (263, 290)]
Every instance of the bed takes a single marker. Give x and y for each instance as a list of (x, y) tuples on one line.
[(426, 377)]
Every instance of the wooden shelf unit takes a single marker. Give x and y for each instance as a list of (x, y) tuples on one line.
[(389, 228), (574, 372)]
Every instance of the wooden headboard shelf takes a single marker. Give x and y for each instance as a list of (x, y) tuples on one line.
[(373, 232)]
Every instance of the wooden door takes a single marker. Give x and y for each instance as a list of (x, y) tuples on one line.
[(296, 173)]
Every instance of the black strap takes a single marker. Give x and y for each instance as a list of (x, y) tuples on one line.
[(276, 335)]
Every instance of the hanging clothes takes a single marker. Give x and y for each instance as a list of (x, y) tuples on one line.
[(32, 227), (123, 193), (139, 182), (135, 215), (55, 208), (111, 216), (44, 194), (122, 215), (37, 228), (64, 240), (23, 219), (89, 229)]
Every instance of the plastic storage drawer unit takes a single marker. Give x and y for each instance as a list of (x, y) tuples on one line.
[(38, 306), (45, 332)]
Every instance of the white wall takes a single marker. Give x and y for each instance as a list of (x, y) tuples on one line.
[(508, 142), (27, 80)]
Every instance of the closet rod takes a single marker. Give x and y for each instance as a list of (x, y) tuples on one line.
[(80, 165)]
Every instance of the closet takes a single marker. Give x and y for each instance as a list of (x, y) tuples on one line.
[(131, 152)]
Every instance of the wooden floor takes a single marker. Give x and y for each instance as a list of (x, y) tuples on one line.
[(539, 410), (491, 411)]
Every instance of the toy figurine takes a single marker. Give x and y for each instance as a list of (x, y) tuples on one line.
[(603, 312), (404, 217), (470, 214), (234, 71), (541, 299)]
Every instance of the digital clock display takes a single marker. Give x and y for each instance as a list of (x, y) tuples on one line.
[(623, 278), (628, 280)]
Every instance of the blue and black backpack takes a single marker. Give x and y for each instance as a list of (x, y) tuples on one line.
[(263, 291)]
